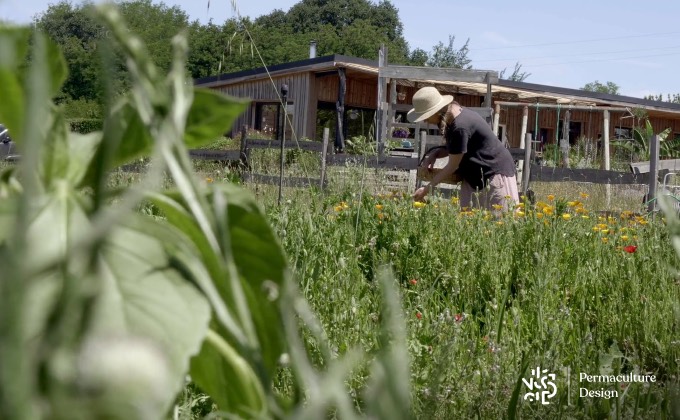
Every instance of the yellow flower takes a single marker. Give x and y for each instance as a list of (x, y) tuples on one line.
[(519, 205), (507, 197), (585, 217), (418, 204), (539, 215), (455, 200), (378, 207), (605, 240), (602, 226), (624, 237), (583, 195), (497, 207), (337, 208), (581, 210), (344, 205), (499, 223), (209, 180), (549, 211), (604, 231), (381, 216), (551, 197), (566, 216), (519, 214), (596, 229), (573, 203)]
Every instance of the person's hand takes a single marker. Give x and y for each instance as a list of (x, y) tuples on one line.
[(420, 194)]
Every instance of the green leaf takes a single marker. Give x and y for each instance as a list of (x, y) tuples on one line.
[(210, 116), (13, 50), (132, 137), (226, 376), (56, 66), (249, 246), (261, 264), (68, 155), (143, 295)]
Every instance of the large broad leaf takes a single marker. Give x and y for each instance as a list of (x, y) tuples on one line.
[(253, 251), (68, 155), (142, 294), (210, 116), (13, 50), (229, 379)]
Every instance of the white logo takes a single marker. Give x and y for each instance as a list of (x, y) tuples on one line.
[(539, 389)]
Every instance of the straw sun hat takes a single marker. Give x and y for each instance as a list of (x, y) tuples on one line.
[(426, 102)]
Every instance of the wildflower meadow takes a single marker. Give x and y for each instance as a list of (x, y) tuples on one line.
[(488, 296)]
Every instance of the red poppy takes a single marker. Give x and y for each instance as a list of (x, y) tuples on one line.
[(459, 317), (419, 315), (413, 282), (630, 248)]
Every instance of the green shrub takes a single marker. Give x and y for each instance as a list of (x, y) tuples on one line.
[(86, 125)]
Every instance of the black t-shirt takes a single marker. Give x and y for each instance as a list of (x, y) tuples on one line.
[(483, 154)]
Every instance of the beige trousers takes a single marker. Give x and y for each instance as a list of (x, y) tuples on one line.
[(501, 191)]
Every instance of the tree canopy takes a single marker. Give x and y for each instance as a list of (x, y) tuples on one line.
[(349, 27), (596, 86)]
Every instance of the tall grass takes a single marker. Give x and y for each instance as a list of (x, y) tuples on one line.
[(484, 293)]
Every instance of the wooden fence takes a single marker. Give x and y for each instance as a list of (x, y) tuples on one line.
[(642, 173)]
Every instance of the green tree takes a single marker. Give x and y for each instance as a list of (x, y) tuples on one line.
[(74, 30), (80, 35), (674, 99), (448, 56), (596, 86), (517, 74)]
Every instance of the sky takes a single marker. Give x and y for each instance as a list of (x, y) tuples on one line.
[(632, 43)]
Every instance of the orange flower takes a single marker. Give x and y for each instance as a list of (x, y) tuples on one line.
[(413, 282)]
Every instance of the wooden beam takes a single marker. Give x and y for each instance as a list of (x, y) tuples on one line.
[(311, 146), (201, 154), (274, 180), (672, 165), (385, 162), (594, 176), (438, 74)]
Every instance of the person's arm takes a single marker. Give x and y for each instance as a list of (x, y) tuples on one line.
[(445, 172), (430, 158)]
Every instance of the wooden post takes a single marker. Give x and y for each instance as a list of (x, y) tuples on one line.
[(244, 146), (605, 142), (527, 164), (284, 94), (605, 154), (523, 144), (324, 151), (340, 112), (381, 124), (497, 120), (653, 172), (489, 94), (525, 124), (564, 144)]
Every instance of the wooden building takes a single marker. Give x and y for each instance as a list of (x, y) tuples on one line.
[(341, 93)]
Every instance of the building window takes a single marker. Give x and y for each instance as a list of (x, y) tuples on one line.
[(623, 133), (269, 119)]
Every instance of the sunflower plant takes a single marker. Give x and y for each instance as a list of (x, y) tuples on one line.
[(105, 310)]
